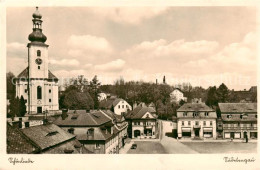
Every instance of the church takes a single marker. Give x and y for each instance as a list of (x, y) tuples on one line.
[(36, 83)]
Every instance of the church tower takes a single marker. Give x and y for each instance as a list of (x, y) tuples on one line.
[(36, 83)]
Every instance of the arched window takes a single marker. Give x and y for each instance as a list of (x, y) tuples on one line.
[(39, 92), (38, 53)]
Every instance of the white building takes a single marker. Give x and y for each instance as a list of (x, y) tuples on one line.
[(102, 96), (196, 120), (118, 106), (177, 95), (36, 83)]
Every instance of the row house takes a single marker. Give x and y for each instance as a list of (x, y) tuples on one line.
[(95, 130), (117, 105), (196, 120), (142, 123), (238, 120)]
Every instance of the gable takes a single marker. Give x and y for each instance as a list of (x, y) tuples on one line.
[(147, 115)]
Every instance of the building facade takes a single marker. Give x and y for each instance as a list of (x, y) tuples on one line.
[(36, 83), (95, 130), (142, 123), (196, 120), (118, 106), (177, 95), (239, 120)]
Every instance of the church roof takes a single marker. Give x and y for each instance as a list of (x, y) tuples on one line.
[(24, 74)]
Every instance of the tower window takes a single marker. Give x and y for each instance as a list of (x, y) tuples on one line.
[(25, 90), (49, 90), (39, 92), (49, 100), (38, 53), (39, 67), (25, 100)]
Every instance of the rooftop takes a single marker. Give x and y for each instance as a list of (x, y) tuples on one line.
[(195, 107), (238, 107), (139, 112)]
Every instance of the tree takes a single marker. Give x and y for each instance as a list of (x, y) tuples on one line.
[(76, 100), (22, 107), (10, 85), (212, 98), (181, 102), (94, 90), (223, 93), (14, 107)]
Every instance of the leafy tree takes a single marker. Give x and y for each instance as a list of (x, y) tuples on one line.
[(212, 98), (222, 93), (78, 100), (181, 102)]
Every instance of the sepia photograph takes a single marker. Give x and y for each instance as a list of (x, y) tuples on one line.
[(131, 80)]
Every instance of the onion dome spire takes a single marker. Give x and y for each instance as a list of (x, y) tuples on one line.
[(37, 35)]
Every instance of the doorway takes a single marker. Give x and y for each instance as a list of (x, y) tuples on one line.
[(197, 132), (245, 134), (39, 109), (136, 133)]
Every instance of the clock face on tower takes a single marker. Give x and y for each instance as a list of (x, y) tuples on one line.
[(38, 61)]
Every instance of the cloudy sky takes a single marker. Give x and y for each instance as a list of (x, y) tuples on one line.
[(201, 45)]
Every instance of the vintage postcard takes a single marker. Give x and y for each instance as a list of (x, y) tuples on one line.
[(129, 85)]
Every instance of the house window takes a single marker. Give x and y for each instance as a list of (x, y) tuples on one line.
[(49, 100), (188, 122), (39, 92), (210, 123), (25, 90), (195, 114), (118, 106), (38, 53), (39, 67), (206, 114), (182, 123), (25, 100), (197, 123), (122, 106), (185, 114), (251, 124), (204, 123), (49, 90), (238, 124), (127, 106), (255, 116), (97, 146)]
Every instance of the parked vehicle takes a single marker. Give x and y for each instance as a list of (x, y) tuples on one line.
[(134, 146)]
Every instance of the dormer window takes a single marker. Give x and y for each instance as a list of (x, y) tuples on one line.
[(243, 116), (185, 114), (38, 53), (229, 116), (206, 114), (52, 133), (195, 114)]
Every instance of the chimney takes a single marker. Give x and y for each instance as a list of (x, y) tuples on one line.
[(27, 124), (16, 124)]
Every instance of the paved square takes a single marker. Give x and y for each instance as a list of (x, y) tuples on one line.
[(147, 147), (222, 147)]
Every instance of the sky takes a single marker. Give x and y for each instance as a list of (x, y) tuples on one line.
[(205, 46)]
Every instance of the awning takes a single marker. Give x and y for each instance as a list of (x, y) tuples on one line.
[(207, 130), (186, 129)]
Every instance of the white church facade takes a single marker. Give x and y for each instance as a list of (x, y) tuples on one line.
[(36, 83)]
